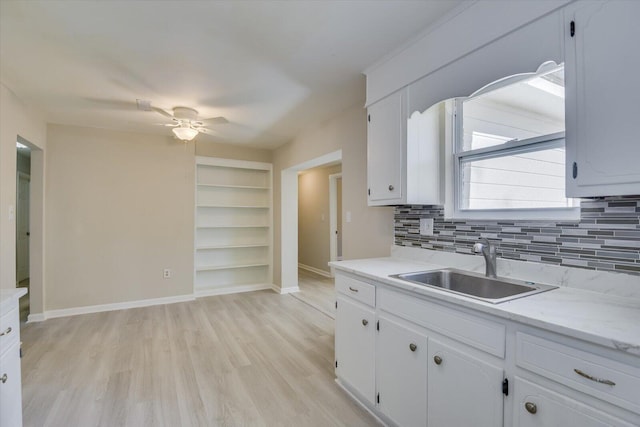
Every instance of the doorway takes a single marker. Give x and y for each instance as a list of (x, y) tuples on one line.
[(23, 196), (289, 219), (335, 220)]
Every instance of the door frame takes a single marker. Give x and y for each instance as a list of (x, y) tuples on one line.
[(333, 217), (289, 220), (19, 214)]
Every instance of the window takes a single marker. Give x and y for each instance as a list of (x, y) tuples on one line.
[(509, 157)]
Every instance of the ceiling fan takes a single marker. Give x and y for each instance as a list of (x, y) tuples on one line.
[(185, 122)]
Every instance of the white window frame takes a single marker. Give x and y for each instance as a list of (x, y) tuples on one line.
[(454, 154)]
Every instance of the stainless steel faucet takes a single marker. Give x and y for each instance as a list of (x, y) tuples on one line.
[(485, 247)]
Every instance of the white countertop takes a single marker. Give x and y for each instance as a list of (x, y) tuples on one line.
[(609, 320), (9, 297)]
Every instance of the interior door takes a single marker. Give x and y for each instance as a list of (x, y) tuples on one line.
[(22, 227)]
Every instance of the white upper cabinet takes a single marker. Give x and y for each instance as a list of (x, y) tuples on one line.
[(386, 133), (404, 155), (602, 110)]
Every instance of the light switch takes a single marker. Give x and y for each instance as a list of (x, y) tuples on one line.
[(348, 216), (12, 212)]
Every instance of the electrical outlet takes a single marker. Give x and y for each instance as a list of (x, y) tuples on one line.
[(426, 226), (167, 273)]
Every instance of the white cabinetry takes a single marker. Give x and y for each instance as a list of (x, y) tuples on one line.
[(538, 406), (602, 110), (401, 369), (430, 363), (233, 226), (584, 386), (463, 390), (404, 154), (10, 375), (386, 136), (355, 336)]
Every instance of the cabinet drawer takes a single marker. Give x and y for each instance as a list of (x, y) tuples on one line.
[(611, 381), (9, 329), (474, 331), (361, 291), (538, 406)]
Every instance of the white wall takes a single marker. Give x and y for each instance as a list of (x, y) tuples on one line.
[(16, 119), (119, 209), (370, 233)]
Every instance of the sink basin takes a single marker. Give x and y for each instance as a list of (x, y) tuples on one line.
[(493, 290)]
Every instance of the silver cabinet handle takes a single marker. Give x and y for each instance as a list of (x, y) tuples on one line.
[(391, 187), (413, 347), (365, 322), (531, 407), (437, 360), (7, 332), (4, 378), (592, 378), (352, 289)]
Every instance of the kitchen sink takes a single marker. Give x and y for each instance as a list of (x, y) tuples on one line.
[(493, 290)]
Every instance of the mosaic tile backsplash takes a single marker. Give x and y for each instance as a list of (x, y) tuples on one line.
[(607, 236)]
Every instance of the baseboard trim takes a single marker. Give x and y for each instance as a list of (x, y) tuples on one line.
[(232, 290), (65, 312), (315, 270), (361, 402), (282, 291), (36, 317)]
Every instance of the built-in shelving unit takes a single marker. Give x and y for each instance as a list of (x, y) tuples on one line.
[(233, 234)]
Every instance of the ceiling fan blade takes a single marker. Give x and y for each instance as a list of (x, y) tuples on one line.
[(163, 112), (215, 121), (206, 131)]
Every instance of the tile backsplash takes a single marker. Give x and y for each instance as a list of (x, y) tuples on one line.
[(607, 236)]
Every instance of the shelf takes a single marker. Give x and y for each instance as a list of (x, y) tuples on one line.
[(229, 267), (240, 187), (233, 233), (231, 226), (204, 248), (232, 207)]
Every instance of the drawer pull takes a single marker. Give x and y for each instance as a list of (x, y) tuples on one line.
[(531, 407), (7, 332), (592, 378), (413, 347), (390, 187), (437, 360), (352, 289), (365, 322), (4, 378)]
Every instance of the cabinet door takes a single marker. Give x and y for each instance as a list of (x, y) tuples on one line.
[(537, 406), (10, 387), (355, 346), (386, 132), (463, 390), (602, 82), (402, 373)]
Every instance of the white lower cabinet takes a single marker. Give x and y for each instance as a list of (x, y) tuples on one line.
[(10, 387), (537, 406), (415, 361), (463, 389), (355, 346), (401, 372)]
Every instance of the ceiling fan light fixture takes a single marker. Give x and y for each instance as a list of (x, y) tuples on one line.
[(185, 133)]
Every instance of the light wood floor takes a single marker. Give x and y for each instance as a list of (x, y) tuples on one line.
[(254, 359), (317, 291)]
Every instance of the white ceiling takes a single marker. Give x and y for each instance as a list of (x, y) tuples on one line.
[(272, 68)]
